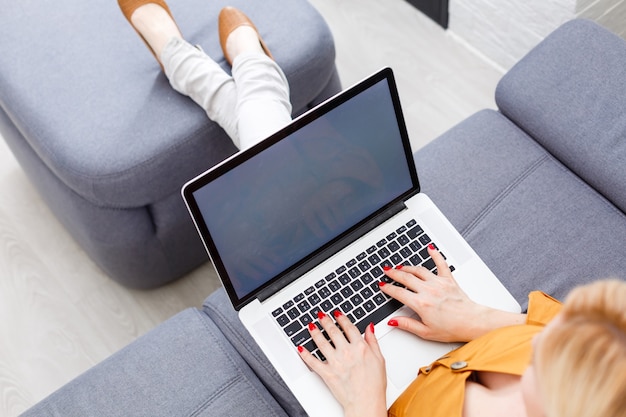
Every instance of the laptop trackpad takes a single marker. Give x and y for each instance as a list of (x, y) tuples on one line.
[(405, 353)]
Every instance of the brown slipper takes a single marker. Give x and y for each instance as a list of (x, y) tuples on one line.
[(230, 19), (128, 7)]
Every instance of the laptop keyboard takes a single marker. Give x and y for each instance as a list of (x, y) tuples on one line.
[(353, 287)]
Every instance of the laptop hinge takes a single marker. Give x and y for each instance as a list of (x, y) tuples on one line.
[(320, 257)]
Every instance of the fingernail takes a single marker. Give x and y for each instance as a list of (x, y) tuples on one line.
[(372, 328), (386, 267), (399, 266), (431, 246), (320, 315), (312, 326), (393, 323), (381, 283), (336, 313), (300, 349)]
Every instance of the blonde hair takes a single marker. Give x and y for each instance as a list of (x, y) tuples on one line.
[(581, 362)]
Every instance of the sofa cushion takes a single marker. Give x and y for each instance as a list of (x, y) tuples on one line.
[(569, 93), (536, 224), (108, 124), (184, 367)]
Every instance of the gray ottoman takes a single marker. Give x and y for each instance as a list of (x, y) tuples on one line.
[(105, 139)]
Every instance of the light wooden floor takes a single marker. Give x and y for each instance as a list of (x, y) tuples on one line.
[(60, 315)]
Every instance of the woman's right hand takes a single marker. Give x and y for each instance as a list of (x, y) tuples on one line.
[(446, 313)]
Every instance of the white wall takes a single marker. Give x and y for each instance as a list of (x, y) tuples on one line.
[(505, 30)]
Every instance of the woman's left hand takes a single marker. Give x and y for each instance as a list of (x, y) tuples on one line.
[(354, 369)]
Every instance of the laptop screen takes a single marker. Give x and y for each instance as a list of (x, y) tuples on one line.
[(267, 209)]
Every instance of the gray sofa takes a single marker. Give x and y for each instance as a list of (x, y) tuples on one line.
[(538, 188), (105, 139)]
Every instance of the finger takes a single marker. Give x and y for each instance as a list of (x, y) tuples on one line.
[(401, 294), (442, 266), (372, 341), (333, 332), (311, 361), (409, 276), (320, 340), (352, 333), (410, 325)]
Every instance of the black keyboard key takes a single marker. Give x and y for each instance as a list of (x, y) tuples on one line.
[(298, 298), (425, 239), (364, 266), (341, 270), (314, 311), (411, 223), (393, 247), (324, 292), (326, 306), (374, 259), (336, 299), (359, 313), (401, 230), (405, 252), (283, 320), (309, 291), (361, 256), (391, 236), (305, 319), (356, 299), (344, 279), (293, 313), (288, 304), (424, 253), (366, 293), (415, 246), (277, 312), (415, 260), (330, 276), (396, 259), (429, 264), (376, 272), (354, 272), (356, 285), (334, 286), (293, 328), (381, 243), (403, 240), (383, 253), (319, 283), (387, 264), (367, 278), (346, 292), (371, 249), (369, 305), (351, 263), (414, 232), (346, 307), (301, 337), (379, 298), (314, 299), (304, 306), (379, 314)]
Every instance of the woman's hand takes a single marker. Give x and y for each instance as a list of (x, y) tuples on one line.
[(447, 314), (354, 369)]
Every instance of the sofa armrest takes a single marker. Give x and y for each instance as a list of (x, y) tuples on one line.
[(569, 94)]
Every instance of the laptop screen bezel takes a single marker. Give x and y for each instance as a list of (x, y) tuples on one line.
[(200, 181)]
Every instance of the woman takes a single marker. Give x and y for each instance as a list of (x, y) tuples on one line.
[(250, 105), (577, 364)]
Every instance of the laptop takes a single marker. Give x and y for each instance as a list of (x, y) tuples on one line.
[(306, 220)]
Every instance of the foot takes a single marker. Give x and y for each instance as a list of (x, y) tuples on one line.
[(156, 26), (239, 35)]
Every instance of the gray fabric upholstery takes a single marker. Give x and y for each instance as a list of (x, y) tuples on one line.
[(108, 142), (536, 222), (572, 103)]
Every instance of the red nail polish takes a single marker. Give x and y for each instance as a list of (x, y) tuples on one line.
[(381, 283), (337, 313), (393, 323), (399, 266), (431, 246), (372, 328), (312, 326), (300, 349), (320, 315), (386, 267)]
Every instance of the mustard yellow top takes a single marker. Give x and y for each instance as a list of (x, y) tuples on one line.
[(439, 389)]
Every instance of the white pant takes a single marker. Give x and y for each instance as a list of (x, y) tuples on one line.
[(249, 106)]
